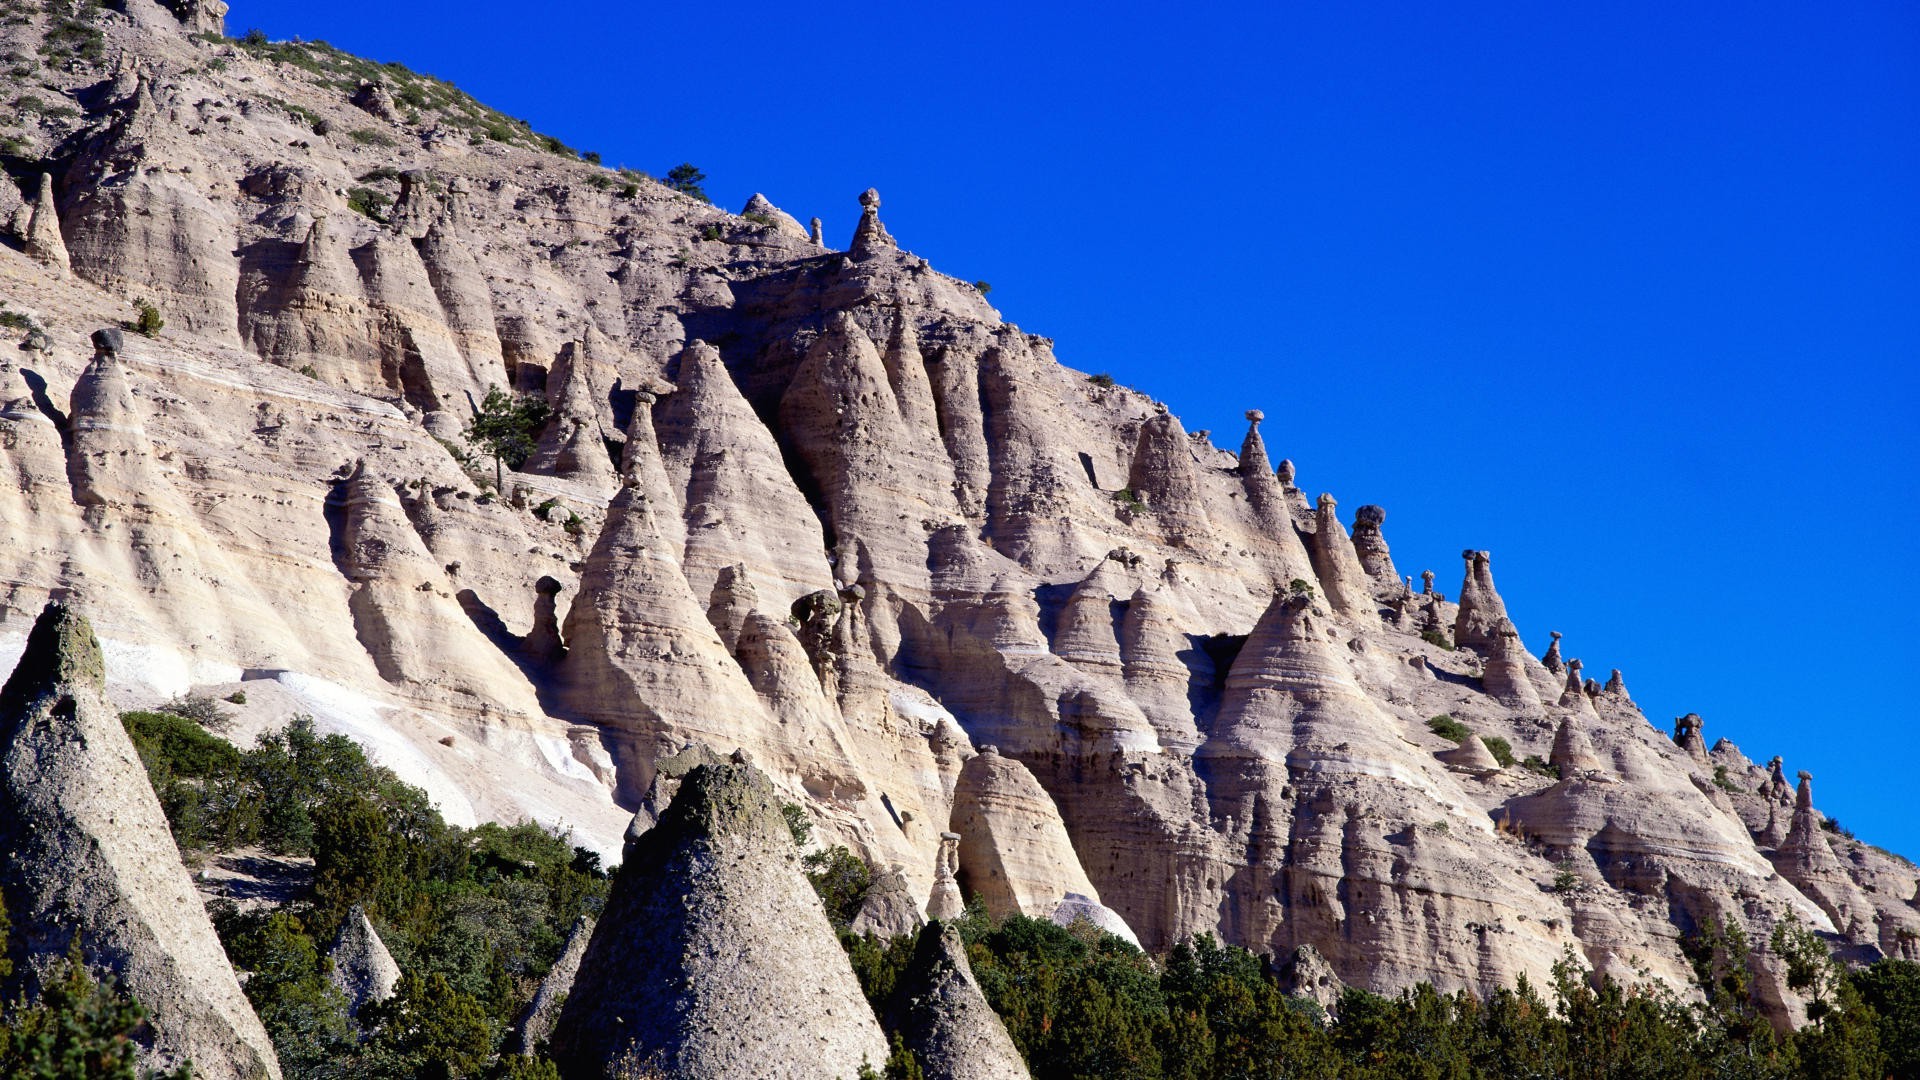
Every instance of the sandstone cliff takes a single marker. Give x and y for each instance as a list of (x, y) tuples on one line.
[(826, 506)]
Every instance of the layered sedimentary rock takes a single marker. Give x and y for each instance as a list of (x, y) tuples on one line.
[(91, 866), (713, 956), (828, 507)]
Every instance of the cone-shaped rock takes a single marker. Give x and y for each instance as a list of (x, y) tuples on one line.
[(1163, 476), (1472, 757), (89, 859), (363, 969), (741, 504), (641, 655), (536, 1023), (759, 207), (870, 238), (109, 458), (714, 957), (1014, 851), (1481, 608), (945, 901), (1338, 567), (44, 241), (1572, 754), (1505, 675), (945, 1020), (1552, 659)]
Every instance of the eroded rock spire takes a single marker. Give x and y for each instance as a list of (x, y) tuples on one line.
[(1481, 608), (712, 897), (91, 864), (870, 238), (44, 241)]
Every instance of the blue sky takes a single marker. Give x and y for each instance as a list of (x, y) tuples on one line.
[(1629, 297)]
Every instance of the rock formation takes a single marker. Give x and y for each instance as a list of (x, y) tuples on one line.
[(362, 968), (536, 1023), (944, 1019), (44, 241), (91, 864), (830, 508), (713, 956)]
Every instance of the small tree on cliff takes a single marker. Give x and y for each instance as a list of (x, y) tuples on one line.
[(506, 427)]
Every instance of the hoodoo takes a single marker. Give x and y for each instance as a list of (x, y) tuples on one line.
[(91, 868), (713, 957)]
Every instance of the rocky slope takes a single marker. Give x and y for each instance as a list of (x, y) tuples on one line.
[(824, 505)]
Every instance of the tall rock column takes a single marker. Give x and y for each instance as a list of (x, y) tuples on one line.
[(44, 241), (90, 862)]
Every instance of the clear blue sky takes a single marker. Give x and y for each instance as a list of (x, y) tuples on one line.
[(1629, 297)]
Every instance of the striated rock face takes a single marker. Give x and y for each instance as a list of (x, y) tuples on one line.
[(91, 864), (829, 508), (713, 957), (1014, 850), (363, 970), (945, 1020)]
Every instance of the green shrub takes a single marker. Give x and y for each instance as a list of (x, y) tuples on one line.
[(1534, 763), (1436, 638), (370, 137), (686, 179), (1501, 749), (1102, 380), (369, 203), (238, 697), (147, 321), (1450, 729), (1722, 781), (1129, 502), (983, 288), (506, 428), (842, 880)]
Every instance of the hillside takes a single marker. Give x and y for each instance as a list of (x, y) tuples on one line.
[(817, 502)]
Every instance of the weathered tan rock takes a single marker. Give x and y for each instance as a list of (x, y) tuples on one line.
[(945, 1020), (1481, 608), (1552, 661), (91, 865), (889, 909), (1471, 757), (741, 504), (1686, 735), (1505, 674), (1341, 576), (1370, 544), (758, 207), (870, 238), (959, 535), (945, 902), (44, 241), (1014, 851), (713, 956), (1162, 475), (361, 967)]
